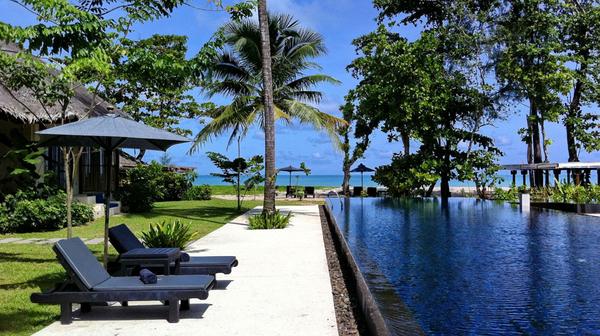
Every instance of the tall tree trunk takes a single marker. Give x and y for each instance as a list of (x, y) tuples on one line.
[(544, 143), (536, 143), (572, 114), (239, 168), (68, 189), (571, 145), (445, 174), (405, 142), (347, 163), (269, 118), (346, 180), (429, 190), (444, 185), (574, 108)]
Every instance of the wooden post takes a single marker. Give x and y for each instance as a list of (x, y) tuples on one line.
[(577, 175), (568, 176), (547, 177), (597, 176), (514, 177), (587, 177), (556, 176), (524, 173)]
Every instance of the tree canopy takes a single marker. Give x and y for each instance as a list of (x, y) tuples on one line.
[(237, 73)]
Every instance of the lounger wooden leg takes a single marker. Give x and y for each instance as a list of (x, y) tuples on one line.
[(86, 307), (66, 315), (173, 311), (124, 303), (185, 304)]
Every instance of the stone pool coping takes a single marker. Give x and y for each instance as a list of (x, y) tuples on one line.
[(370, 310)]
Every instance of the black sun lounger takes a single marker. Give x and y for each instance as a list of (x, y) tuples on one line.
[(132, 251), (89, 283)]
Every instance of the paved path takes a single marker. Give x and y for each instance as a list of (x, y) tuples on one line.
[(281, 287)]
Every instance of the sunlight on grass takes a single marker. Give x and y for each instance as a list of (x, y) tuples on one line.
[(28, 268)]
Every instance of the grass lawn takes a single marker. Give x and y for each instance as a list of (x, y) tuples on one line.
[(27, 268)]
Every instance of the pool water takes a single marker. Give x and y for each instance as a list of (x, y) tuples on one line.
[(476, 267)]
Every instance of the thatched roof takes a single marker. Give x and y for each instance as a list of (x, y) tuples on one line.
[(128, 161), (23, 106)]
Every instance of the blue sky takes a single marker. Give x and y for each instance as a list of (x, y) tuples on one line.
[(339, 21)]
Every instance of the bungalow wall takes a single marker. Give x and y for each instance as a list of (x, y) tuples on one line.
[(92, 172)]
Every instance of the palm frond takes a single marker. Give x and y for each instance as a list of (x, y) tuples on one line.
[(319, 120), (307, 82)]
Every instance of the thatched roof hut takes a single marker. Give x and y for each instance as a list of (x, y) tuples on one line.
[(23, 106)]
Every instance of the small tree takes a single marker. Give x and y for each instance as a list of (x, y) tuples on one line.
[(233, 170)]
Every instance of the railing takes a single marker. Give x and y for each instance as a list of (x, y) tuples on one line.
[(335, 193)]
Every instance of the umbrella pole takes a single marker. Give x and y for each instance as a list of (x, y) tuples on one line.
[(362, 183), (108, 155)]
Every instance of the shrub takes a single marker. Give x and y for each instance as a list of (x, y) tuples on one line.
[(198, 193), (140, 187), (145, 184), (81, 214), (21, 214), (274, 220), (570, 193), (5, 224), (172, 234), (511, 195), (174, 185)]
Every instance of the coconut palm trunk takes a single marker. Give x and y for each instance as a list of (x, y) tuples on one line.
[(269, 118)]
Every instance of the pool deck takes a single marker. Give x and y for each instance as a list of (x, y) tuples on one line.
[(281, 287)]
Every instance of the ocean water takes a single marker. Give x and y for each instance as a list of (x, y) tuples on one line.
[(335, 180), (472, 267)]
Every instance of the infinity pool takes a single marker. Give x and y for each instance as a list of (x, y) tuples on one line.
[(476, 267)]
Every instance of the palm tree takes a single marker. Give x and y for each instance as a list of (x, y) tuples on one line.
[(269, 115), (238, 73)]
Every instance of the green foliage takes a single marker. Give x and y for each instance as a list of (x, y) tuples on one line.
[(304, 168), (234, 170), (411, 91), (571, 193), (267, 221), (140, 187), (236, 72), (511, 195), (143, 185), (20, 162), (198, 193), (169, 234), (152, 80), (404, 176), (23, 212), (175, 185)]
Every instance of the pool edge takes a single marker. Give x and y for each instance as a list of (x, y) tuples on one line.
[(368, 307)]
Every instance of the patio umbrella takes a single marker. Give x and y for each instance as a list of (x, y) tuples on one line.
[(362, 169), (291, 169), (109, 132)]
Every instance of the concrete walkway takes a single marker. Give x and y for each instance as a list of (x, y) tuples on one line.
[(281, 287)]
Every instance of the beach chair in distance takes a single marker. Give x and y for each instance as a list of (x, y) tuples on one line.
[(290, 191), (357, 191), (372, 192), (133, 253), (89, 283), (309, 191)]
